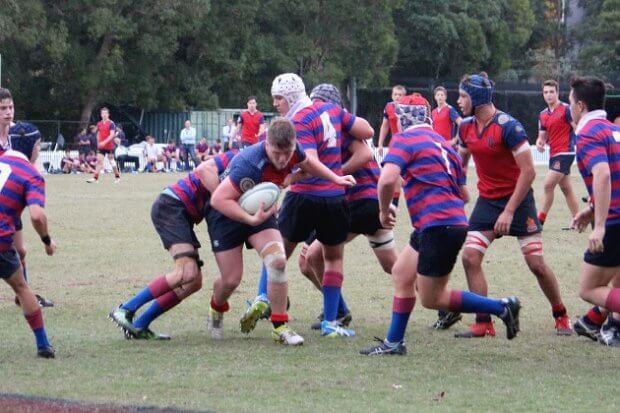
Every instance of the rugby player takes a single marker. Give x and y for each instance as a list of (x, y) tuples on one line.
[(106, 132), (445, 118), (390, 120)]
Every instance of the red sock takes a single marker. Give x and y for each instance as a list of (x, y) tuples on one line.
[(96, 176), (220, 308), (168, 300), (35, 320), (612, 303), (595, 316), (159, 286), (558, 310), (542, 217)]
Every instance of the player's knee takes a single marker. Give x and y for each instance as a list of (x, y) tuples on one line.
[(403, 279), (549, 186), (471, 259), (231, 282), (532, 250), (427, 300), (475, 247), (383, 240), (195, 285), (21, 251), (585, 293), (537, 267), (274, 259)]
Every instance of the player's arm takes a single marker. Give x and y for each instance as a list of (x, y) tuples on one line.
[(36, 149), (39, 223), (226, 200), (541, 141), (360, 128), (383, 131), (527, 174), (261, 127), (388, 184), (208, 174), (360, 156), (314, 167)]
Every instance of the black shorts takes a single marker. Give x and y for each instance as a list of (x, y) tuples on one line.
[(105, 152), (172, 222), (610, 257), (19, 225), (438, 248), (9, 263), (227, 234), (301, 214), (561, 163), (364, 217), (525, 221)]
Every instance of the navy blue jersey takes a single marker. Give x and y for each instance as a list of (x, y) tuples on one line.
[(23, 137)]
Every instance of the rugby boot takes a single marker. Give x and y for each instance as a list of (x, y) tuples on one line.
[(148, 334), (333, 329), (445, 320), (562, 326), (384, 348), (344, 319), (215, 324), (46, 352), (285, 335), (124, 320), (586, 328), (510, 317), (610, 334), (253, 314), (478, 330)]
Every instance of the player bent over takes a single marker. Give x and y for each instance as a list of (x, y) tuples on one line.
[(500, 149), (230, 226), (433, 181), (21, 186), (175, 212), (598, 158)]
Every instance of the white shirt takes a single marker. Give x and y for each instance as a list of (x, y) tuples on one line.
[(188, 136), (227, 132), (151, 151)]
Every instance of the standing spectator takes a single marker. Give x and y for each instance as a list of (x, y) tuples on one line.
[(83, 142), (92, 136), (171, 153), (152, 154), (228, 133), (445, 118), (188, 144), (202, 150), (251, 124), (106, 132)]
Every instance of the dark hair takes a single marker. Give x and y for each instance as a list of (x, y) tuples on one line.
[(551, 82), (440, 89), (251, 98), (589, 90), (5, 94)]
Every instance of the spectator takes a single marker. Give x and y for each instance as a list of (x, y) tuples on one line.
[(188, 144), (445, 118), (251, 124), (171, 153), (202, 150), (83, 142), (68, 164), (121, 154), (91, 162), (152, 154), (228, 133), (215, 148), (92, 136)]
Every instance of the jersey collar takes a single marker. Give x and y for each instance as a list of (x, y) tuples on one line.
[(595, 114)]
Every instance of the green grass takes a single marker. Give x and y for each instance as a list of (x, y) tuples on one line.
[(109, 250)]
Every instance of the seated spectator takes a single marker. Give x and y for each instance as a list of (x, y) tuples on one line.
[(202, 150), (83, 142), (121, 154), (171, 153), (152, 154), (215, 148), (68, 164), (91, 162)]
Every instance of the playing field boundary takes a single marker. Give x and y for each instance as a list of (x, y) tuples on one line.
[(22, 403)]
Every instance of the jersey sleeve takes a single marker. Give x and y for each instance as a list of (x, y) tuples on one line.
[(35, 190), (513, 134), (348, 120), (386, 113), (240, 121), (592, 151), (454, 115), (567, 115), (306, 135), (461, 132), (112, 126), (240, 169), (300, 154), (261, 120), (399, 153)]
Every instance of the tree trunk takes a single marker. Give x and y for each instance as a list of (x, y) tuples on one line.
[(92, 95)]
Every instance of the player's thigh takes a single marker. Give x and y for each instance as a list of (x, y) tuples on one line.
[(553, 178), (264, 238), (332, 217), (438, 248), (430, 289), (593, 276), (172, 223), (10, 268)]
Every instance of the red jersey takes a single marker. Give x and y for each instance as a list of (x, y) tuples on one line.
[(444, 121), (250, 125), (557, 124), (492, 153), (389, 113), (105, 128)]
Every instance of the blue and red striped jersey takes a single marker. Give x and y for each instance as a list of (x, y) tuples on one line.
[(21, 185), (319, 127), (433, 174), (557, 124), (252, 166), (599, 141), (366, 177), (193, 193), (492, 152)]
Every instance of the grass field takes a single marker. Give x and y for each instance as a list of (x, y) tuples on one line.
[(108, 250)]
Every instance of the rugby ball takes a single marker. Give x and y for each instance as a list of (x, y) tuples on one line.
[(265, 193)]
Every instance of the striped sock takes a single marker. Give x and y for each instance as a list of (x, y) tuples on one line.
[(161, 304), (401, 310), (159, 286), (595, 317), (35, 320), (332, 285)]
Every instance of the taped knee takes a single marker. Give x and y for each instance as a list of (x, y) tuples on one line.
[(477, 241), (531, 245), (275, 261), (384, 241)]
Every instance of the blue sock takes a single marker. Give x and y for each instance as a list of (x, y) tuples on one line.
[(262, 284), (150, 314), (331, 298), (138, 300), (342, 306), (396, 332), (474, 303), (41, 336)]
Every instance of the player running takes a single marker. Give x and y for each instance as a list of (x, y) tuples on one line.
[(230, 226), (556, 130), (434, 184), (598, 158), (505, 206), (106, 132)]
